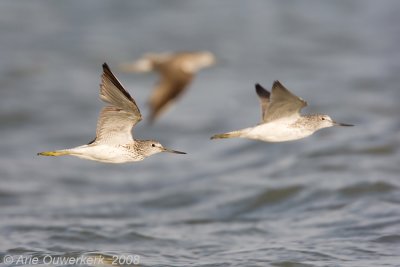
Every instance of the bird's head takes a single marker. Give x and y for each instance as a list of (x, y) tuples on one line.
[(325, 121), (205, 59), (198, 61), (151, 147)]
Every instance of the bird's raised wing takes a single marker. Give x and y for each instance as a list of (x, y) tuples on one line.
[(116, 121), (112, 92), (264, 95), (283, 104)]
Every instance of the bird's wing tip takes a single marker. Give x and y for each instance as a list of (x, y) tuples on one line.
[(105, 65), (261, 91), (277, 83)]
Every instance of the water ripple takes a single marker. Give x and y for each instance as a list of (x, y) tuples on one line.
[(364, 188)]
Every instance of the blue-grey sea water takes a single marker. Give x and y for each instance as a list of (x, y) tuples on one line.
[(332, 199)]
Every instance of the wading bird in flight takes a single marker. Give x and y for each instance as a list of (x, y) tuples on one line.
[(114, 142), (281, 118)]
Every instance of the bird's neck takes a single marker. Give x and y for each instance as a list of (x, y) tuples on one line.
[(306, 122)]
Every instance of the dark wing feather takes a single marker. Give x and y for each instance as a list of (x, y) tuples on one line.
[(264, 95)]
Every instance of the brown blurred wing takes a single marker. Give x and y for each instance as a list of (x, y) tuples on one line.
[(169, 88), (264, 95), (283, 103)]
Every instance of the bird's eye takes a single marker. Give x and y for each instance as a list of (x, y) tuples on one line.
[(323, 118), (153, 145)]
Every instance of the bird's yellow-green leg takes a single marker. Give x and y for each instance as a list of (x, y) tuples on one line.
[(226, 135), (54, 153)]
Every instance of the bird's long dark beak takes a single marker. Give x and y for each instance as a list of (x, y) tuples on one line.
[(342, 124), (173, 151)]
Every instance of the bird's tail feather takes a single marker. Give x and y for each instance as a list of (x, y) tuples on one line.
[(54, 153), (226, 135)]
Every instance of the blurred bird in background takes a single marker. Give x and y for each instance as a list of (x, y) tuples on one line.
[(176, 72)]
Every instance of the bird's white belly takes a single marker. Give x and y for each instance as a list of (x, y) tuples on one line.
[(105, 153), (277, 132)]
